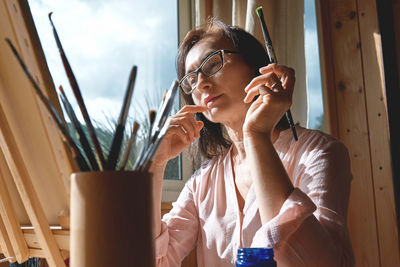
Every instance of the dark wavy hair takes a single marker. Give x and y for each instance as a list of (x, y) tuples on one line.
[(212, 140)]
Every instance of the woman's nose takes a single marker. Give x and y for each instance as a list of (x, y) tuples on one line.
[(203, 82)]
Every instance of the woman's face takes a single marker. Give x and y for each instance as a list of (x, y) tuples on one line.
[(222, 93)]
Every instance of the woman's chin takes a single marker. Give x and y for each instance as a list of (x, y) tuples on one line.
[(216, 115)]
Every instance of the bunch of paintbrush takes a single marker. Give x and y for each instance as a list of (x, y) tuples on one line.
[(158, 128), (94, 160)]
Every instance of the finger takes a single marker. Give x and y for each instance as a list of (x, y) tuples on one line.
[(190, 117), (188, 128), (286, 74), (259, 90), (192, 109), (289, 82), (267, 79), (194, 126), (276, 87), (177, 131), (280, 70), (186, 116), (199, 125)]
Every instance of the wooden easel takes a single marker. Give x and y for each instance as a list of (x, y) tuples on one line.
[(34, 164), (16, 241)]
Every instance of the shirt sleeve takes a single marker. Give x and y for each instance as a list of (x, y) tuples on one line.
[(291, 215), (312, 221), (179, 230)]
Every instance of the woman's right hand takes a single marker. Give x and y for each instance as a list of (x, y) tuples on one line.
[(182, 131)]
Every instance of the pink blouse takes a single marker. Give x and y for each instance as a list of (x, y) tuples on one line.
[(310, 229)]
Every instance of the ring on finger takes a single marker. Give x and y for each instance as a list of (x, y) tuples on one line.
[(275, 86), (183, 129)]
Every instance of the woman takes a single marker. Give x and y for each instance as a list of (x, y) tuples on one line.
[(259, 188)]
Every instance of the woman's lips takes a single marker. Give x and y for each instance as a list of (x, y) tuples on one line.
[(208, 101)]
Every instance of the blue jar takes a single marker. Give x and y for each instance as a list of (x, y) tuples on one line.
[(255, 257)]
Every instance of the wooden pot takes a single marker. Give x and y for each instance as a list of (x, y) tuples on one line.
[(111, 219)]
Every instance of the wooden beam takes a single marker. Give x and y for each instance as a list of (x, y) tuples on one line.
[(390, 35), (374, 85), (38, 253), (10, 220), (209, 8), (27, 193), (5, 243), (61, 237), (327, 69), (25, 33)]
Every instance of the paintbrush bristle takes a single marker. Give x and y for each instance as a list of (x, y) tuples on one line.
[(259, 11), (152, 115), (61, 90), (164, 95), (136, 126)]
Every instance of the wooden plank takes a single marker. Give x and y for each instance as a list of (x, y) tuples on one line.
[(379, 140), (38, 253), (27, 192), (327, 68), (210, 8), (65, 164), (30, 48), (5, 243), (61, 236), (23, 110), (10, 220), (342, 26)]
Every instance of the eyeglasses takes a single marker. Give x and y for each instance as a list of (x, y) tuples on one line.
[(209, 67)]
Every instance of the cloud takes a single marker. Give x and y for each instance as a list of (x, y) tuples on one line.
[(103, 39)]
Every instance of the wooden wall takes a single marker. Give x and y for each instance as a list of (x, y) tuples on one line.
[(355, 90)]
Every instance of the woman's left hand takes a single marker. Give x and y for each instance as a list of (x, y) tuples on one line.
[(275, 89)]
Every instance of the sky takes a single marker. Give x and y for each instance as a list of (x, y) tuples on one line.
[(104, 39), (314, 93)]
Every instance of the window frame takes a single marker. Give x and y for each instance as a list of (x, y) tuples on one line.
[(172, 188)]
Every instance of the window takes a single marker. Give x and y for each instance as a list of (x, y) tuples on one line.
[(313, 73), (102, 40)]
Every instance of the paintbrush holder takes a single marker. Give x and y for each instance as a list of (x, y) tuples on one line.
[(111, 219)]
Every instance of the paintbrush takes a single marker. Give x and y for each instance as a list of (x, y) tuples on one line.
[(76, 154), (145, 165), (119, 131), (78, 96), (129, 146), (81, 134), (152, 116), (164, 110), (273, 59)]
